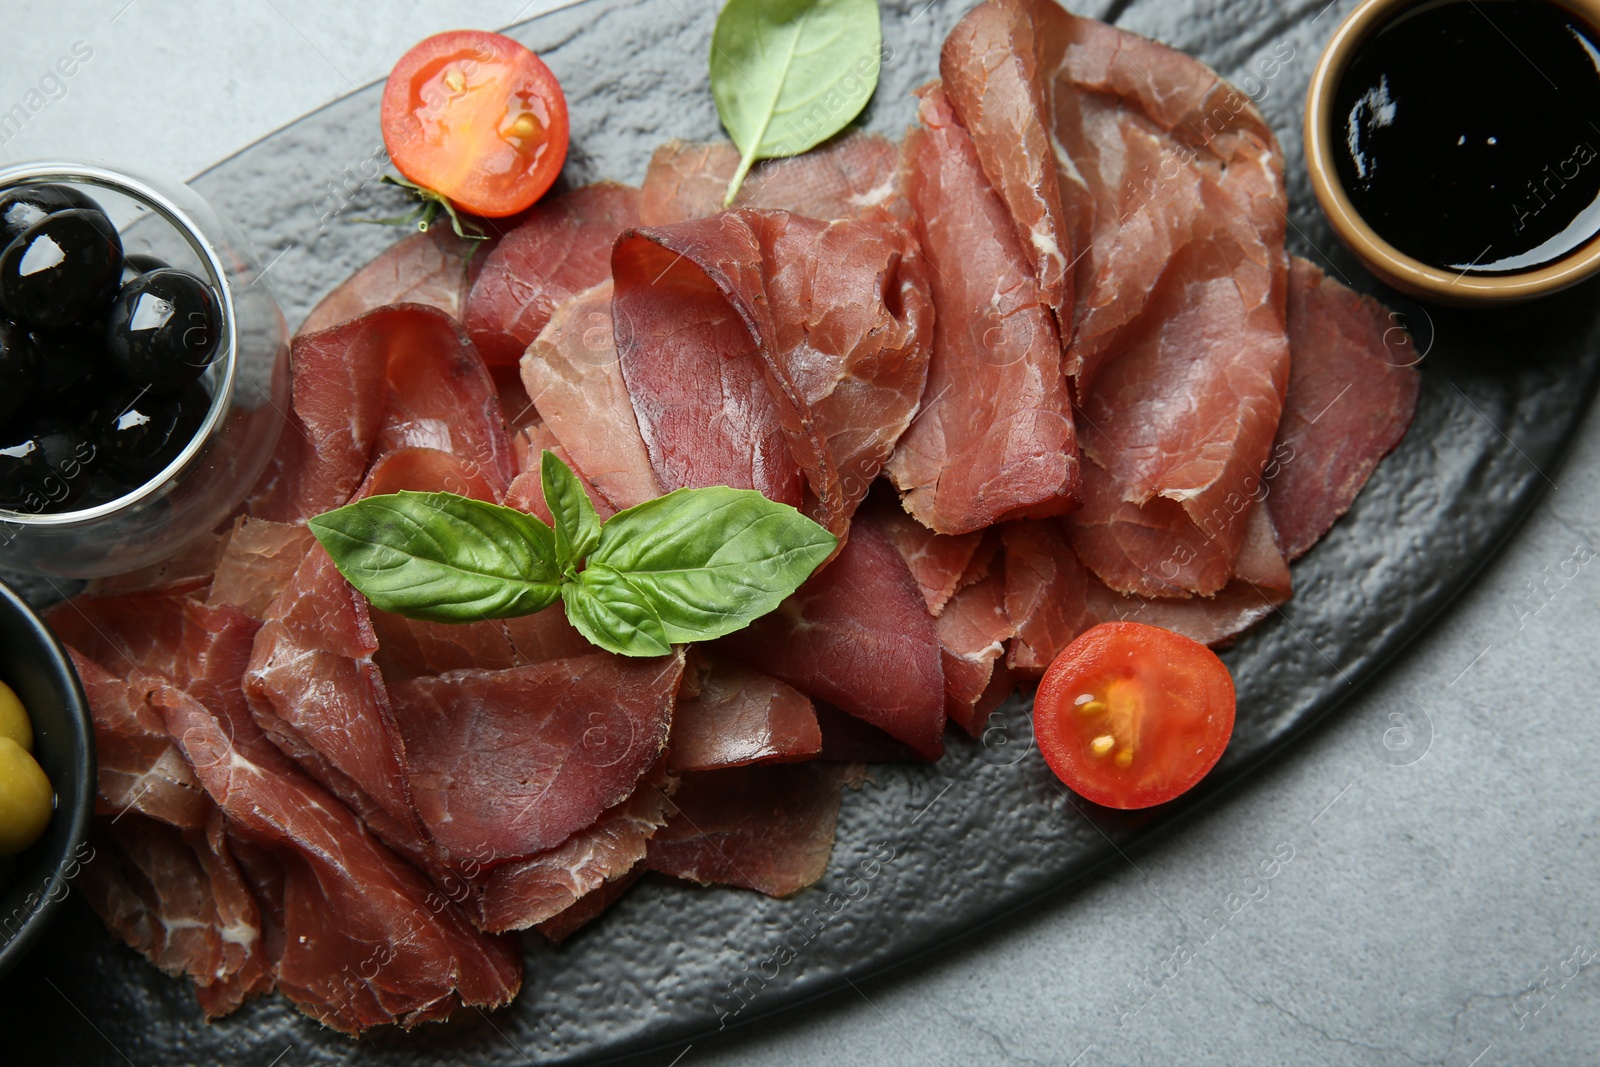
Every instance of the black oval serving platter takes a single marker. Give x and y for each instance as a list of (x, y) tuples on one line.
[(925, 853)]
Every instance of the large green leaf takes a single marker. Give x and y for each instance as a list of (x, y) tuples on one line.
[(789, 74), (707, 562), (577, 525), (442, 557)]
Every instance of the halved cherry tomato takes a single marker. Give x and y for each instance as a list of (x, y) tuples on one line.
[(1131, 715), (477, 117)]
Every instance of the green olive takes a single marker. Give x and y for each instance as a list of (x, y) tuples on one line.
[(14, 719), (26, 799)]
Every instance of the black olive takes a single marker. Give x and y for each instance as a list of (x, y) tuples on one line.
[(138, 263), (45, 466), (21, 208), (74, 370), (19, 369), (63, 269), (162, 330), (137, 432)]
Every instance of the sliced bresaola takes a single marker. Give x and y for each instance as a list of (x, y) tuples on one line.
[(152, 888), (939, 562), (526, 492), (1352, 392), (973, 631), (513, 762), (561, 247), (994, 438), (855, 175), (544, 887), (426, 268), (260, 558), (398, 377), (858, 635), (741, 716), (768, 351), (766, 827), (589, 907), (314, 688), (573, 376), (990, 67), (366, 941)]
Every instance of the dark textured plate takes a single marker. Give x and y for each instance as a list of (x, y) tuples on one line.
[(924, 853)]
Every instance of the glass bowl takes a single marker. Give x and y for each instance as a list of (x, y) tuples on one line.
[(248, 382)]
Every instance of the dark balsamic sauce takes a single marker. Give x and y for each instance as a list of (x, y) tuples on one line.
[(1467, 134)]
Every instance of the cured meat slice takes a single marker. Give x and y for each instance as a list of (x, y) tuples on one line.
[(758, 347), (184, 908), (260, 559), (994, 438), (855, 175), (741, 716), (973, 632), (365, 941), (138, 766), (1352, 393), (401, 376), (847, 739), (426, 268), (562, 246), (1188, 409), (589, 907), (516, 761), (766, 827), (1045, 592), (937, 561), (574, 378), (990, 66), (545, 887), (859, 636), (314, 688)]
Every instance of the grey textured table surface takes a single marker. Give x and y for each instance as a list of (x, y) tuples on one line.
[(1440, 906)]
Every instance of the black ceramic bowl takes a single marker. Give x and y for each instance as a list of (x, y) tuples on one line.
[(33, 663)]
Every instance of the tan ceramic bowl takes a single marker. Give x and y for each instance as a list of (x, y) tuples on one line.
[(1383, 259)]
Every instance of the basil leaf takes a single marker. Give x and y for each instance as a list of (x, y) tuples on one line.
[(442, 557), (577, 525), (789, 74), (708, 562), (610, 611)]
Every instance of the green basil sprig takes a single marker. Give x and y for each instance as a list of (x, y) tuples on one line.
[(689, 566), (789, 74)]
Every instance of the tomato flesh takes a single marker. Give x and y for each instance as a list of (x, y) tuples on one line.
[(1131, 715), (477, 117)]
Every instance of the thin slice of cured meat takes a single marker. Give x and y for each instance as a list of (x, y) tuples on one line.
[(426, 268), (858, 635), (561, 247), (938, 561), (138, 768), (973, 631), (188, 916), (990, 67), (526, 492), (573, 376), (741, 716), (260, 558), (764, 350), (766, 827), (847, 739), (854, 175), (314, 688), (589, 907), (1352, 392), (398, 377), (365, 941), (513, 762), (544, 887), (994, 438)]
